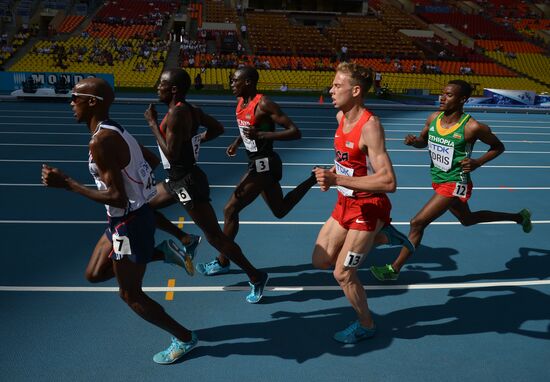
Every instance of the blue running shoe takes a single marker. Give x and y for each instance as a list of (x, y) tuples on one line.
[(176, 256), (257, 290), (354, 333), (397, 238), (176, 350), (212, 268), (191, 248)]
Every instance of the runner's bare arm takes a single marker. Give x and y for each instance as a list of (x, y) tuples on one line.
[(109, 154), (269, 109), (421, 140)]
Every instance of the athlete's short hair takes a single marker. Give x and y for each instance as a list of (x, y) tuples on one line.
[(180, 79), (250, 73), (465, 88), (96, 86), (359, 75)]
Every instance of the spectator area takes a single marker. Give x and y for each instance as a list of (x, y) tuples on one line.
[(127, 60), (398, 82)]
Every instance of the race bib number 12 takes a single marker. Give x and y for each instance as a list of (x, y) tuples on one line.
[(460, 190)]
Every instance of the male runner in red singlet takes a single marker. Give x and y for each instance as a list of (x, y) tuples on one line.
[(123, 175), (178, 140), (450, 135), (363, 174), (257, 117)]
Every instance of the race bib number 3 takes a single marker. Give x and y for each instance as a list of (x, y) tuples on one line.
[(353, 260), (121, 246), (262, 165), (461, 190)]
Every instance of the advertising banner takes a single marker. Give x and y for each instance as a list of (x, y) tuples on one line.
[(44, 84), (510, 97)]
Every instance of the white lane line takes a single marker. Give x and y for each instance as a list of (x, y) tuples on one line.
[(278, 148), (251, 222), (523, 124), (328, 137), (281, 288), (478, 188), (234, 136), (292, 115), (246, 163)]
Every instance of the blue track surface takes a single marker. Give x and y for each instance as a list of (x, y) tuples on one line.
[(473, 303)]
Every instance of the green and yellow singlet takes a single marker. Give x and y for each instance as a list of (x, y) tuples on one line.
[(447, 148)]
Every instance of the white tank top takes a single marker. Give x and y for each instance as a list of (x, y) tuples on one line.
[(137, 176)]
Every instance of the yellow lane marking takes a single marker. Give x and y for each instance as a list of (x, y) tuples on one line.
[(170, 295)]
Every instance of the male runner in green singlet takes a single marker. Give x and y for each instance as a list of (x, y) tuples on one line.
[(450, 135)]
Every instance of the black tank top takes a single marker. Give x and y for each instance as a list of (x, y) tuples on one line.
[(186, 160)]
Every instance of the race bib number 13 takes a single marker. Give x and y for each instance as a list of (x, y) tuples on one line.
[(353, 260)]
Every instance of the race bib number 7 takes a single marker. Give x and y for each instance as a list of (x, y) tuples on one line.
[(121, 246)]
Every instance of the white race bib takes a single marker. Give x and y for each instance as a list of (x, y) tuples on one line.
[(121, 246), (353, 260), (346, 171), (460, 190), (148, 179), (262, 165), (183, 195), (250, 144), (442, 156)]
